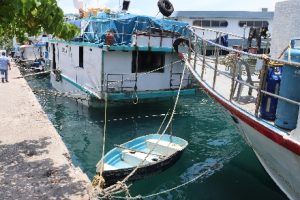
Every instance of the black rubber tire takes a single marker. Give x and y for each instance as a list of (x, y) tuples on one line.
[(180, 40), (165, 7)]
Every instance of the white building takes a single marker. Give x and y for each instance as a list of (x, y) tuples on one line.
[(227, 21)]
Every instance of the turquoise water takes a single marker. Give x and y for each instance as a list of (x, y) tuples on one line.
[(231, 170)]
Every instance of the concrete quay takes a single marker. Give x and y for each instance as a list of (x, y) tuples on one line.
[(34, 161)]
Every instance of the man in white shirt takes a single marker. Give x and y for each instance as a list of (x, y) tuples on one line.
[(4, 66)]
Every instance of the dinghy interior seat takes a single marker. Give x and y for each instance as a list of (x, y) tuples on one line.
[(135, 158), (164, 147)]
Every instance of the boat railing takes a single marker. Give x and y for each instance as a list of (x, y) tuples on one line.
[(93, 37), (233, 39), (96, 36), (199, 62), (120, 82)]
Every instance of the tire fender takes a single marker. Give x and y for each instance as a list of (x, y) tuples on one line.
[(165, 7)]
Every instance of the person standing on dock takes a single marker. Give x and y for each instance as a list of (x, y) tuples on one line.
[(4, 66)]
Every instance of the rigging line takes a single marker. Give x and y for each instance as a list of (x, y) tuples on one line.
[(114, 187), (168, 190), (206, 172), (104, 136), (258, 56), (113, 83), (118, 185), (168, 124), (161, 125), (34, 74)]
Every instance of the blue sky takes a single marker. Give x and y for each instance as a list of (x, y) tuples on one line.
[(149, 7)]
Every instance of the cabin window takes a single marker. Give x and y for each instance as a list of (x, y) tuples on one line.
[(210, 23), (144, 61), (81, 57), (254, 23)]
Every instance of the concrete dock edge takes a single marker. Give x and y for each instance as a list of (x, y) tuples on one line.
[(34, 161)]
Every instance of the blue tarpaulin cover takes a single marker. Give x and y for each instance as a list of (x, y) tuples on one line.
[(125, 25)]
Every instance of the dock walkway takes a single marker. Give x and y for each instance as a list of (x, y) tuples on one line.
[(34, 161)]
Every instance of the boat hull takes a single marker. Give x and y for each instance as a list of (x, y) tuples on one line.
[(76, 91), (281, 164), (278, 152), (111, 177)]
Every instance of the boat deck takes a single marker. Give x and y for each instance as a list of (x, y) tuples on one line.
[(223, 86), (243, 97)]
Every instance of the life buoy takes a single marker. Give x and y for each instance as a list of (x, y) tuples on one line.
[(165, 7), (179, 41)]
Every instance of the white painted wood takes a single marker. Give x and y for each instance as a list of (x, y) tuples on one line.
[(281, 164), (152, 41)]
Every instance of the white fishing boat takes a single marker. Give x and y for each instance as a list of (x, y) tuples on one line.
[(261, 93), (129, 57), (32, 56)]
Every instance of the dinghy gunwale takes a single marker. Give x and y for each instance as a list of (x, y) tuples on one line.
[(113, 175), (115, 152)]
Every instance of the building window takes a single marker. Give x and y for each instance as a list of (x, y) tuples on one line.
[(144, 61), (223, 23), (210, 23), (205, 23), (254, 23), (215, 23), (81, 56), (197, 23)]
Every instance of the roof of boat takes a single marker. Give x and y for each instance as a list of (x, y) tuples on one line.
[(94, 29)]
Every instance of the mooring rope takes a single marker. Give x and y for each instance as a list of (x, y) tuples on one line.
[(167, 190), (76, 92), (116, 187), (104, 136)]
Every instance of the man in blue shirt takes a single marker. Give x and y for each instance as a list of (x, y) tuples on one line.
[(4, 65)]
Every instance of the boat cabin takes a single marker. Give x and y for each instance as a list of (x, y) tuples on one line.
[(127, 57)]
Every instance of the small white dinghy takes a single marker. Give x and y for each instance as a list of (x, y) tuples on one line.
[(120, 161)]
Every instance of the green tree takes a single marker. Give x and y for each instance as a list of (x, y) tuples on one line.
[(18, 17), (5, 43)]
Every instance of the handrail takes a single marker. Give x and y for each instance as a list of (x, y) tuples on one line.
[(296, 64), (222, 32), (251, 86), (216, 31)]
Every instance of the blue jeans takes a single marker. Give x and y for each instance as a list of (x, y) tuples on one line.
[(5, 73)]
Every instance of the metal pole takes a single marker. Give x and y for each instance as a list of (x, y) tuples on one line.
[(195, 54), (203, 59), (190, 49), (244, 36), (233, 80), (261, 86), (217, 59)]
